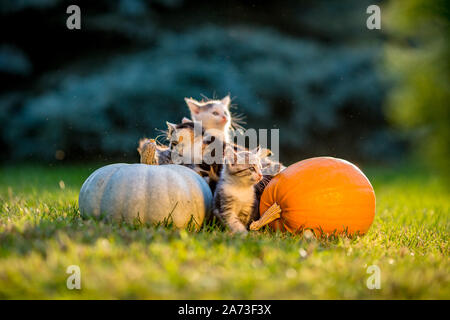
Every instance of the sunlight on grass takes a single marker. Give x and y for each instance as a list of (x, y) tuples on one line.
[(41, 234)]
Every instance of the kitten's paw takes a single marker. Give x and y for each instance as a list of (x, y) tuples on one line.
[(241, 232)]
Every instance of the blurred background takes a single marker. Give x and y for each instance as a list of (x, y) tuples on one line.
[(310, 68)]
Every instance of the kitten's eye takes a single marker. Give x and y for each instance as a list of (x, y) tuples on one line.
[(215, 113), (252, 169)]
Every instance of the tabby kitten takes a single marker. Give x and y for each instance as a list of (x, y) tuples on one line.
[(235, 201)]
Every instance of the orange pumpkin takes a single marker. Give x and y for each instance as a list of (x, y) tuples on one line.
[(324, 194)]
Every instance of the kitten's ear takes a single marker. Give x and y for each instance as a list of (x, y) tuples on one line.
[(186, 120), (193, 105), (171, 128), (263, 152), (226, 100)]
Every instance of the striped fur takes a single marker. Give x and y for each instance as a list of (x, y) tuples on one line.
[(235, 198)]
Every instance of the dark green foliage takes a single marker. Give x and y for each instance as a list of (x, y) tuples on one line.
[(325, 97)]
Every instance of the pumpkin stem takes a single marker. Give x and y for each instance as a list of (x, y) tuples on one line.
[(268, 216)]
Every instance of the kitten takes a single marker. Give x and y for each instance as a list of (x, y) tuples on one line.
[(187, 145), (214, 115), (235, 201), (271, 167), (182, 138), (153, 153), (216, 119), (185, 142)]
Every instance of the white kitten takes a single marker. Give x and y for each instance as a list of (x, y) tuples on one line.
[(214, 116)]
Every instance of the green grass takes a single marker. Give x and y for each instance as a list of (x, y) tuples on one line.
[(41, 234)]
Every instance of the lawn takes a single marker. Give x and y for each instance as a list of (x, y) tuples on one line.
[(41, 234)]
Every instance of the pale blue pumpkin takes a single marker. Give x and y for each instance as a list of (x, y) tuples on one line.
[(147, 193)]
